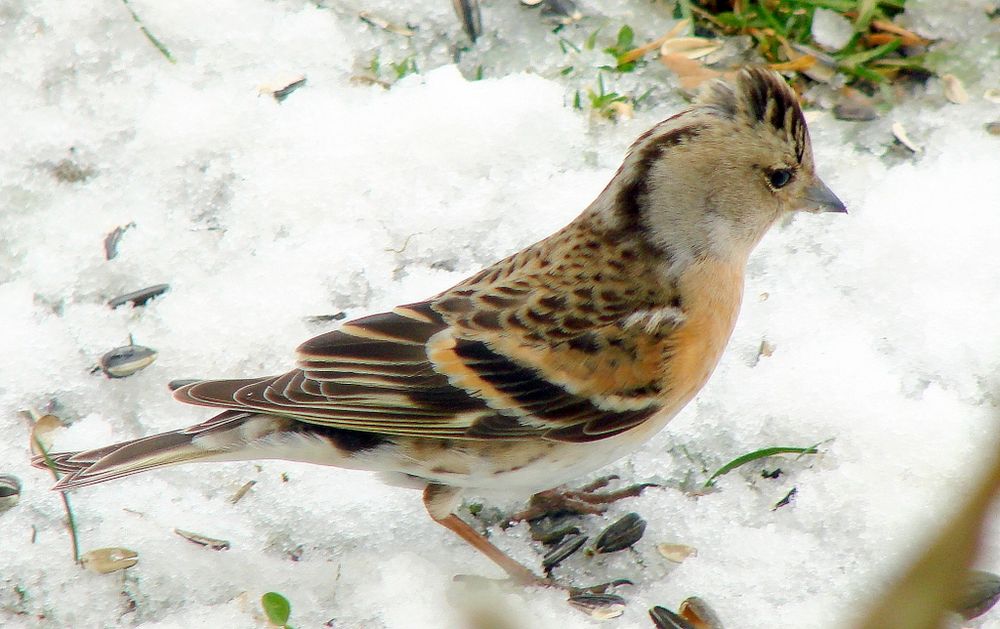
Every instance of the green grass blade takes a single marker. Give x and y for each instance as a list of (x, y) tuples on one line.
[(152, 39), (70, 519), (763, 453)]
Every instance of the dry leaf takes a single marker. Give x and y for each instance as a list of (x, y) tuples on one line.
[(637, 53), (42, 432), (690, 47), (690, 73), (799, 64)]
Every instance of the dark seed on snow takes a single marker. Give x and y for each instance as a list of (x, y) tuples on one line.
[(620, 535)]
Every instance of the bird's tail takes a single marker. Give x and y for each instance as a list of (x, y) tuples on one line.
[(218, 439)]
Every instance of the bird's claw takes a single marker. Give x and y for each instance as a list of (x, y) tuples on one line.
[(583, 501)]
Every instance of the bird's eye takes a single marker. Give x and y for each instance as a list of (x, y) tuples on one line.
[(779, 178)]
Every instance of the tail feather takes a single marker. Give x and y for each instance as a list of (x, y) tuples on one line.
[(89, 467)]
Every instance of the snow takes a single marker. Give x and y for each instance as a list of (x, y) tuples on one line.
[(831, 29), (348, 197)]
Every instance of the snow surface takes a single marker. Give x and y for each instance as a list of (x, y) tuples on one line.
[(350, 197)]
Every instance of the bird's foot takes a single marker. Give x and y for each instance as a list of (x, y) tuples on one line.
[(586, 500)]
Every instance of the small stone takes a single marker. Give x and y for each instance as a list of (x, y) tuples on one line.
[(854, 111)]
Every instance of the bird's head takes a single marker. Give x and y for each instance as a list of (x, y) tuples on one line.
[(712, 179)]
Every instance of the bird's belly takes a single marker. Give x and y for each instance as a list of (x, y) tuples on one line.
[(517, 467)]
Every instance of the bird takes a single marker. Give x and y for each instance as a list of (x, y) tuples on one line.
[(547, 365)]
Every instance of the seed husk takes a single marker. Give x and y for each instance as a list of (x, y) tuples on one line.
[(979, 594), (699, 614), (676, 553), (325, 318), (242, 491), (113, 238), (10, 491), (954, 90), (107, 560), (663, 618), (139, 297), (126, 360), (569, 545), (202, 540), (620, 535), (379, 22), (42, 431), (993, 128), (899, 131), (551, 530), (690, 47), (599, 606)]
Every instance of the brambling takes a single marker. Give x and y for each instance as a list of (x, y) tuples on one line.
[(552, 362)]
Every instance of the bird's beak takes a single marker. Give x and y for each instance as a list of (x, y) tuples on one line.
[(819, 198)]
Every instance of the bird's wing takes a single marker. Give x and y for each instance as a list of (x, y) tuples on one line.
[(502, 355)]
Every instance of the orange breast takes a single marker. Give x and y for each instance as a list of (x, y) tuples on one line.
[(712, 292)]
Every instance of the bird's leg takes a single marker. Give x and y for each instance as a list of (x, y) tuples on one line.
[(441, 501), (583, 501)]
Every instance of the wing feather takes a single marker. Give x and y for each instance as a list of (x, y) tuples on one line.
[(496, 357)]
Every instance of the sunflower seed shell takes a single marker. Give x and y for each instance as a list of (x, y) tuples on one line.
[(557, 555), (978, 595), (663, 618), (202, 540), (124, 361), (10, 491), (620, 535), (599, 606)]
